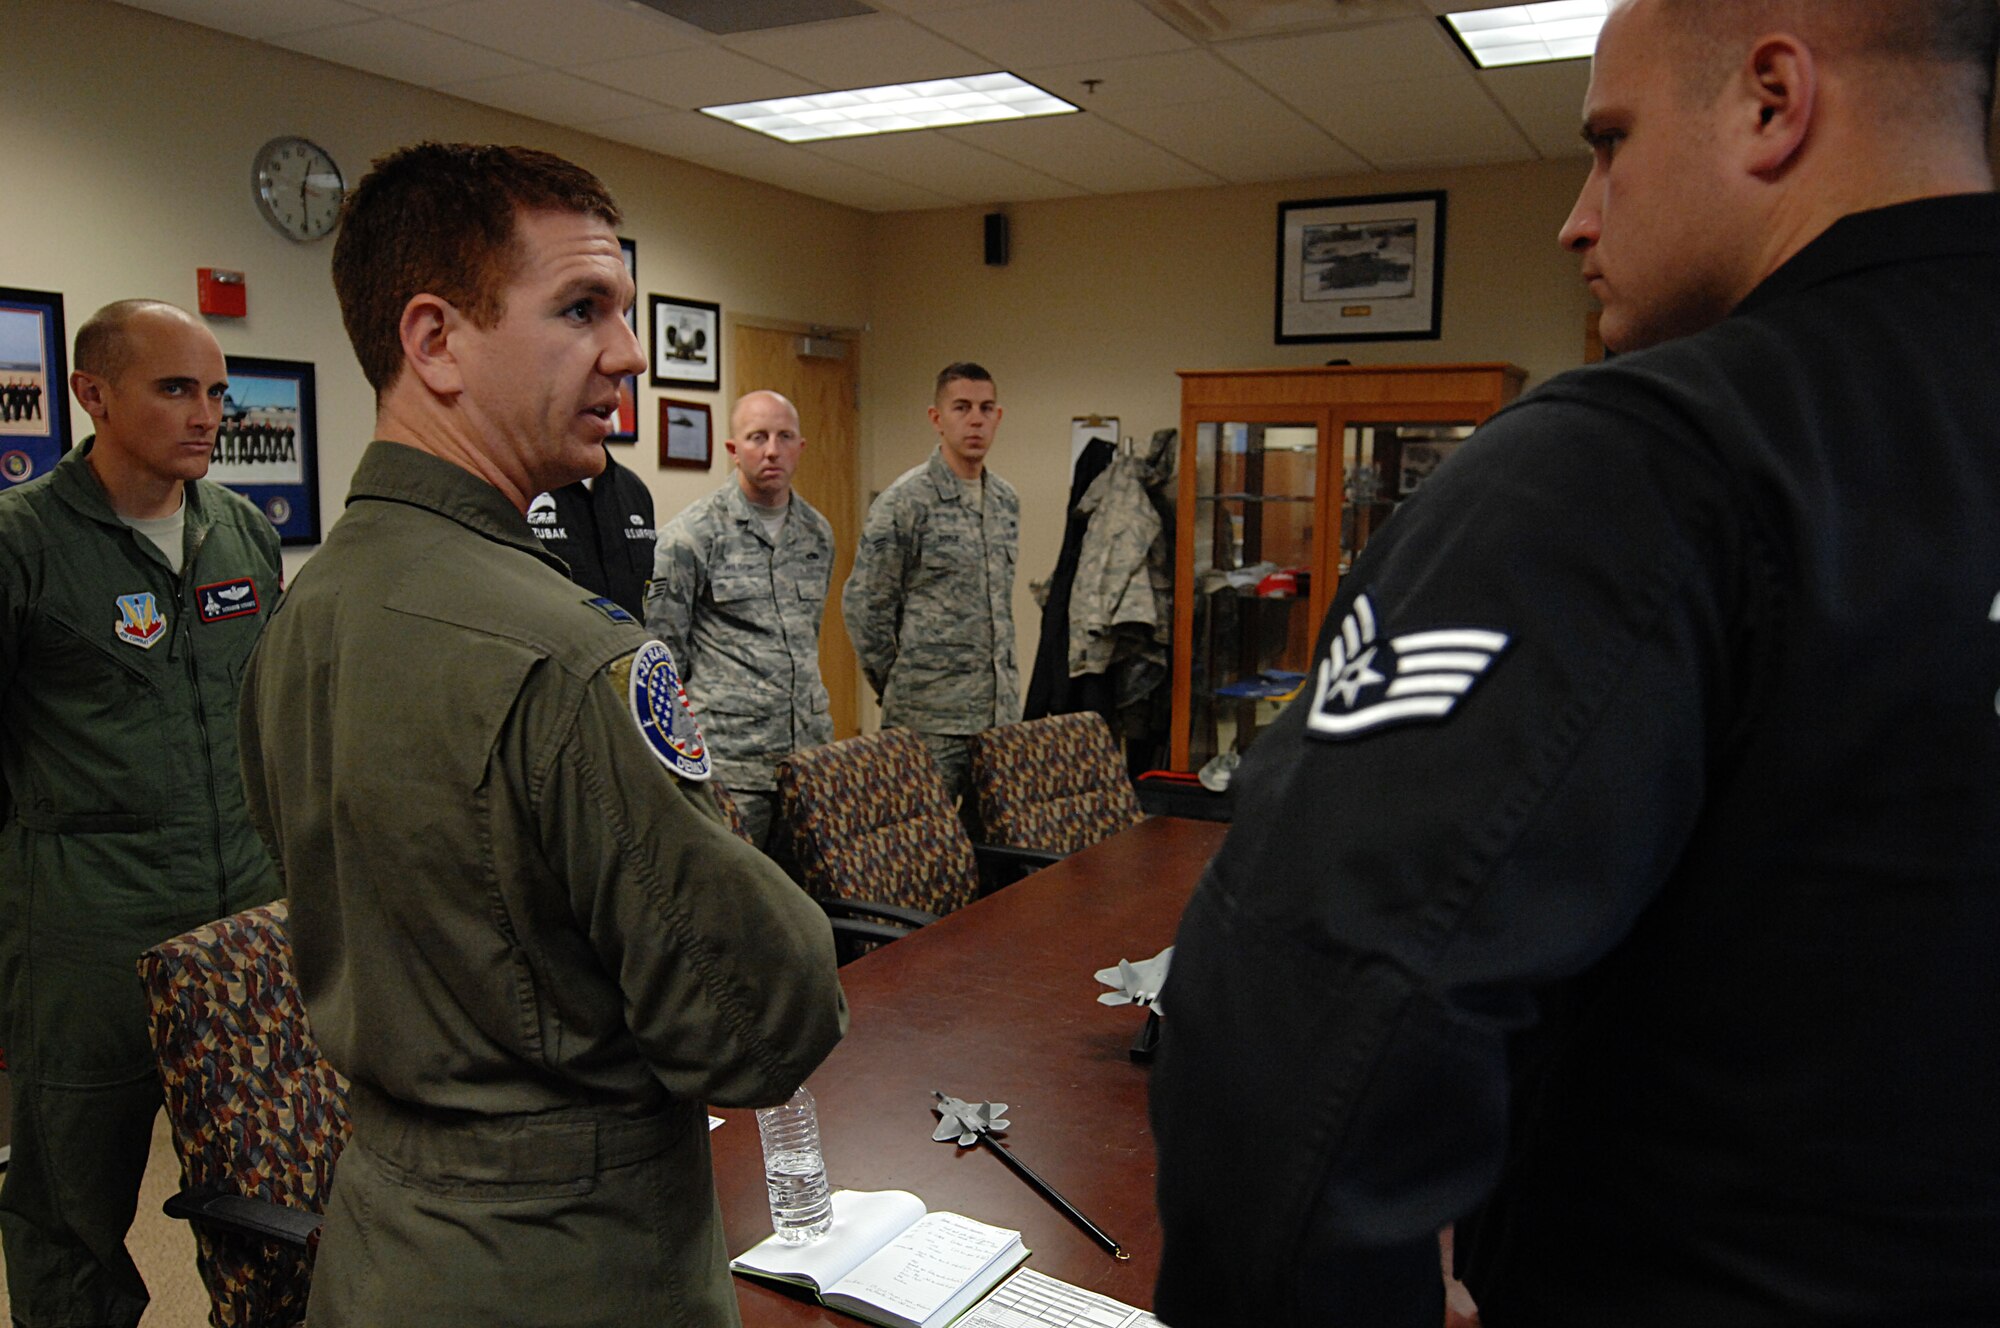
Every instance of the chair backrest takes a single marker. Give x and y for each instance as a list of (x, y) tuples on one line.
[(254, 1110), (1056, 783), (730, 811), (870, 821)]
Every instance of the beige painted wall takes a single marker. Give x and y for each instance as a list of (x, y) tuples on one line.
[(126, 152), (129, 138), (1105, 298)]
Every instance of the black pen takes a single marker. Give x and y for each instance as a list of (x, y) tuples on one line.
[(1047, 1191)]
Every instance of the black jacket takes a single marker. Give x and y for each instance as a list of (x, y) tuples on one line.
[(1649, 914), (604, 532)]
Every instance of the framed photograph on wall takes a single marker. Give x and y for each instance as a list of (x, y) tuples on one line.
[(684, 434), (1361, 269), (625, 427), (34, 384), (687, 343), (268, 446)]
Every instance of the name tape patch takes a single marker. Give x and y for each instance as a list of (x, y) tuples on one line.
[(1368, 682), (220, 601), (660, 707)]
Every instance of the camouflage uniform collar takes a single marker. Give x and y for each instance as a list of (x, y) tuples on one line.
[(398, 473), (950, 488), (746, 513), (77, 484)]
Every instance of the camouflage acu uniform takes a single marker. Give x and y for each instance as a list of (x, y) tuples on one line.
[(930, 605), (742, 618)]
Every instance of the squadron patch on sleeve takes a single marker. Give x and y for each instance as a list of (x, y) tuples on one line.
[(660, 706), (1369, 682)]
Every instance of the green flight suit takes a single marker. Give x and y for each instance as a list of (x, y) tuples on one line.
[(121, 824), (534, 951)]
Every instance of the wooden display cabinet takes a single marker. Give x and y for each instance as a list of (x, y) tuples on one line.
[(1294, 468)]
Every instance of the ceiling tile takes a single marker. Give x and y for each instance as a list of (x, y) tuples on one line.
[(1243, 139), (1420, 123), (1228, 20), (707, 76), (256, 18), (1379, 53), (1376, 92), (1089, 152), (1017, 34), (1156, 80), (928, 6), (859, 52), (799, 170), (928, 160), (1460, 6), (400, 6), (687, 134), (399, 50), (574, 35), (1546, 101), (555, 97)]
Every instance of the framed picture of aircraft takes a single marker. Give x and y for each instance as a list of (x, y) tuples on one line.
[(685, 439), (1368, 268), (687, 343), (625, 428)]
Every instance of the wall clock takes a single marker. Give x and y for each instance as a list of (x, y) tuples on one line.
[(298, 188)]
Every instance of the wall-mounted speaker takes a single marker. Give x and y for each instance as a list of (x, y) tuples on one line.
[(998, 244)]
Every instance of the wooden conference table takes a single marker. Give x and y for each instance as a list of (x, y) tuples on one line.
[(996, 1002)]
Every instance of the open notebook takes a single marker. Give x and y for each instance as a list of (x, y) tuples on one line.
[(890, 1262)]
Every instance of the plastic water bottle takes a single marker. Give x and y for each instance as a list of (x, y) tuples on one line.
[(794, 1169)]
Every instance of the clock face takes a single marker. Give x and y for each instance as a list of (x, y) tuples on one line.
[(298, 187)]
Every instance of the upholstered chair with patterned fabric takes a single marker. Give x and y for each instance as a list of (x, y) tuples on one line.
[(730, 813), (871, 823), (258, 1118), (1056, 783)]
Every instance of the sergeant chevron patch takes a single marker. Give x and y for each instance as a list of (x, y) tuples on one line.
[(1368, 683)]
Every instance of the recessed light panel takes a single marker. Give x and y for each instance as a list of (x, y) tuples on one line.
[(1528, 34), (939, 103)]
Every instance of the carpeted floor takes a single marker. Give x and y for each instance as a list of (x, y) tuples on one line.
[(162, 1247)]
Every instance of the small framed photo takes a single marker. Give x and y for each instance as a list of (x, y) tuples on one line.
[(626, 424), (687, 343), (684, 434), (34, 384), (1417, 463), (1361, 269), (268, 446)]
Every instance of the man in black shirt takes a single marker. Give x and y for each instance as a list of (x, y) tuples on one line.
[(603, 528), (1624, 882)]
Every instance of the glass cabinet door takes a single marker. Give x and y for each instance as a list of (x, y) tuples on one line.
[(1254, 506), (1381, 465)]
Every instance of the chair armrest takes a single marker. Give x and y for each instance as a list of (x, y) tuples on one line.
[(1002, 864), (246, 1216), (895, 915)]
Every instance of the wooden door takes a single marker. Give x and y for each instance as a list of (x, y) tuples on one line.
[(826, 391)]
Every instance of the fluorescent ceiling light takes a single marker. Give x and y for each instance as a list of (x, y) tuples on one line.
[(936, 104), (1528, 34)]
